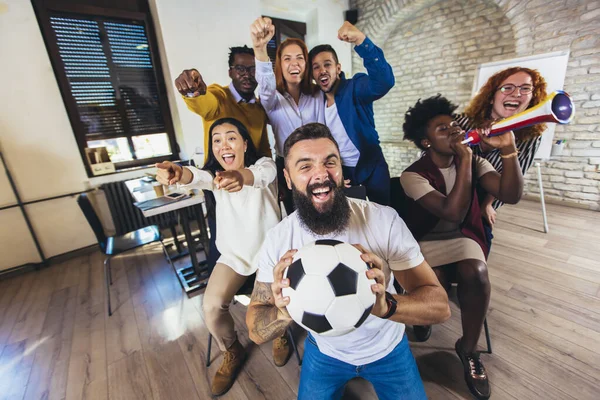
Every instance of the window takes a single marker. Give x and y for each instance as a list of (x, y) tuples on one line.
[(284, 29), (111, 82)]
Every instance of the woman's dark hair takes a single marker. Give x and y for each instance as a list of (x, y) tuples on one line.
[(418, 116), (250, 157)]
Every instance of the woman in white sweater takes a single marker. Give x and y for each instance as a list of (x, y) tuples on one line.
[(245, 189)]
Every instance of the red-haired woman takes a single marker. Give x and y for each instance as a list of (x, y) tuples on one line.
[(505, 94), (288, 95)]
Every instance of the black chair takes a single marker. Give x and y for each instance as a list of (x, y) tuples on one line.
[(112, 246), (356, 192), (487, 337), (246, 289), (398, 198)]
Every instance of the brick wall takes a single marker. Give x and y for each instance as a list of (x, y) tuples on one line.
[(435, 47)]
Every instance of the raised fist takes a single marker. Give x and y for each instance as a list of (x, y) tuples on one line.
[(189, 83)]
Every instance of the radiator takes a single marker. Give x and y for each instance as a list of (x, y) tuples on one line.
[(127, 217)]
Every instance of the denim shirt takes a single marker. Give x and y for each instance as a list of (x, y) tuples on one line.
[(354, 100)]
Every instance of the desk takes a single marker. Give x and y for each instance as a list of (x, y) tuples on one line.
[(190, 277)]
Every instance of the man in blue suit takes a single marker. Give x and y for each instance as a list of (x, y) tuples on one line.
[(349, 109)]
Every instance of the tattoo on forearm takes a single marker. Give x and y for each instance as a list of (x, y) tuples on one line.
[(266, 325), (262, 293)]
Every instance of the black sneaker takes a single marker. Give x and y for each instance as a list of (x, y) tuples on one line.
[(475, 375), (422, 332)]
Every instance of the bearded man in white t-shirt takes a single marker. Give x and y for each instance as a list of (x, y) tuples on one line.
[(378, 350)]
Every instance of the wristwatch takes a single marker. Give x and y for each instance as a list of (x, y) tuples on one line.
[(392, 304)]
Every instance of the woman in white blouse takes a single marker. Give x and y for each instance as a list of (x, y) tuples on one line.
[(287, 94), (245, 189)]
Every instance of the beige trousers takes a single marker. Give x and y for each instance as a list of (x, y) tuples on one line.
[(223, 284)]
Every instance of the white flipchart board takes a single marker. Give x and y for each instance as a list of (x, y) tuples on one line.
[(552, 66)]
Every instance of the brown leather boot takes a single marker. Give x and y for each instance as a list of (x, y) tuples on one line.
[(233, 359), (281, 350)]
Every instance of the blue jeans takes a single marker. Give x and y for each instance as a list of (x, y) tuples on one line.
[(394, 377), (377, 184)]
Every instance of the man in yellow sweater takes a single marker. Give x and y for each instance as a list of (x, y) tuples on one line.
[(236, 100)]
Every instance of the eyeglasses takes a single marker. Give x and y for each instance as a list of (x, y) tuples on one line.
[(509, 88), (240, 69)]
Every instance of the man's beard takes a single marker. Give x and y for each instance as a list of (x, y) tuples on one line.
[(332, 221)]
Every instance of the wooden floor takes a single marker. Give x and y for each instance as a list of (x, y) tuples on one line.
[(56, 340)]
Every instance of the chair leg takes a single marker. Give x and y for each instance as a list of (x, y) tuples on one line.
[(290, 334), (106, 276), (107, 261), (208, 351), (487, 336), (166, 253)]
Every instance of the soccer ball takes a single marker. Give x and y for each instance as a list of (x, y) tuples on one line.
[(329, 291)]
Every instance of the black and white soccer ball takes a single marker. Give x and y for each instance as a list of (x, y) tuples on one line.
[(329, 291)]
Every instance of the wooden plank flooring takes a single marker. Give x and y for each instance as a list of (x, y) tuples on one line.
[(56, 340)]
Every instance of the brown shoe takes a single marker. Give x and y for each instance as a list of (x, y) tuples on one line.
[(281, 350), (233, 359)]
